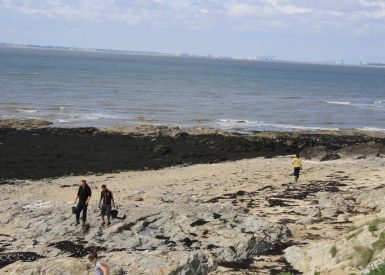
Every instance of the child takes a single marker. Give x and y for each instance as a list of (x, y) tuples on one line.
[(297, 163), (100, 268)]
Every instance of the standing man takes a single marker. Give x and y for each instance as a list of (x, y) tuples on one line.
[(297, 163), (84, 196), (106, 199)]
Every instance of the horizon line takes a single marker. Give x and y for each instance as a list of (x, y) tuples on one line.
[(266, 58)]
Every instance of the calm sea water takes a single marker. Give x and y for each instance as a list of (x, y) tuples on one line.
[(97, 89)]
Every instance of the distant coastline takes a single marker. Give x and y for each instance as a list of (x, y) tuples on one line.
[(267, 58)]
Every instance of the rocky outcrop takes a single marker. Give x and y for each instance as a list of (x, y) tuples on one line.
[(22, 124), (186, 236), (150, 263), (362, 150), (360, 248), (349, 254)]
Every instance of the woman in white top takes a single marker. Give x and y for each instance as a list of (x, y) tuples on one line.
[(100, 268)]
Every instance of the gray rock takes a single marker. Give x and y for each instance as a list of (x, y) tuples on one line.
[(153, 238), (167, 198)]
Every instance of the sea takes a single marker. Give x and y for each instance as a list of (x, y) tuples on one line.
[(102, 89)]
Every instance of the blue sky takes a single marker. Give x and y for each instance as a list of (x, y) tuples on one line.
[(310, 30)]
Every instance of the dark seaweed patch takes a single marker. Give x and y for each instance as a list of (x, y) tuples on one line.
[(301, 192), (277, 202), (211, 246), (76, 250), (198, 223), (278, 248), (286, 267), (216, 216), (188, 242), (238, 265), (11, 257)]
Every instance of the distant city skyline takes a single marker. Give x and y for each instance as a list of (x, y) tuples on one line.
[(311, 30), (247, 58)]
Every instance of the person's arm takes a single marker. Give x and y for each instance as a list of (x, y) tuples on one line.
[(77, 197), (89, 196), (105, 269), (113, 201), (101, 197)]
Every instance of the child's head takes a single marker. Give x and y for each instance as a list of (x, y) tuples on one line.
[(297, 155), (93, 257)]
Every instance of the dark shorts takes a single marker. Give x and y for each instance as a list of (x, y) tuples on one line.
[(296, 171), (105, 210)]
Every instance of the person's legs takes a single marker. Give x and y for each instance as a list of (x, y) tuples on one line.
[(296, 173), (103, 212), (79, 208), (84, 214), (108, 212)]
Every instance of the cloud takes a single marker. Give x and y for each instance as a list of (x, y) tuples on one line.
[(294, 10), (269, 8), (246, 15), (241, 10)]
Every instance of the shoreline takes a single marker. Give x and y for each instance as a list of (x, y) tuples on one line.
[(223, 204), (33, 150)]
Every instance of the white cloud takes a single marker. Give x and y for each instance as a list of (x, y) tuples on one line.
[(200, 14), (241, 10), (294, 10), (271, 8), (204, 11)]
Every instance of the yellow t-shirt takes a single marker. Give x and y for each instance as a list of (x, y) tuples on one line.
[(297, 162)]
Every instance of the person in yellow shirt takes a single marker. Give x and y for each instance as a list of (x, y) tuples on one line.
[(297, 163)]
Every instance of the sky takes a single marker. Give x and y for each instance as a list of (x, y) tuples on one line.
[(303, 30)]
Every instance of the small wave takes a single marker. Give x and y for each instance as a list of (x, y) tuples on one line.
[(143, 119), (55, 108), (265, 126), (90, 116), (371, 106), (371, 129), (375, 104), (62, 121), (339, 102), (30, 111), (35, 117)]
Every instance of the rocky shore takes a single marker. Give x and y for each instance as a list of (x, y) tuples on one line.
[(32, 150), (222, 203)]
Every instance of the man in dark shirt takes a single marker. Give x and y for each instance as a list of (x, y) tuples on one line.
[(84, 196), (106, 199)]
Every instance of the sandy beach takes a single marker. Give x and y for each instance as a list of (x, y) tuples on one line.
[(234, 217)]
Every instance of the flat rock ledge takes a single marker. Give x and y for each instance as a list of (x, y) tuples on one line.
[(186, 236)]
